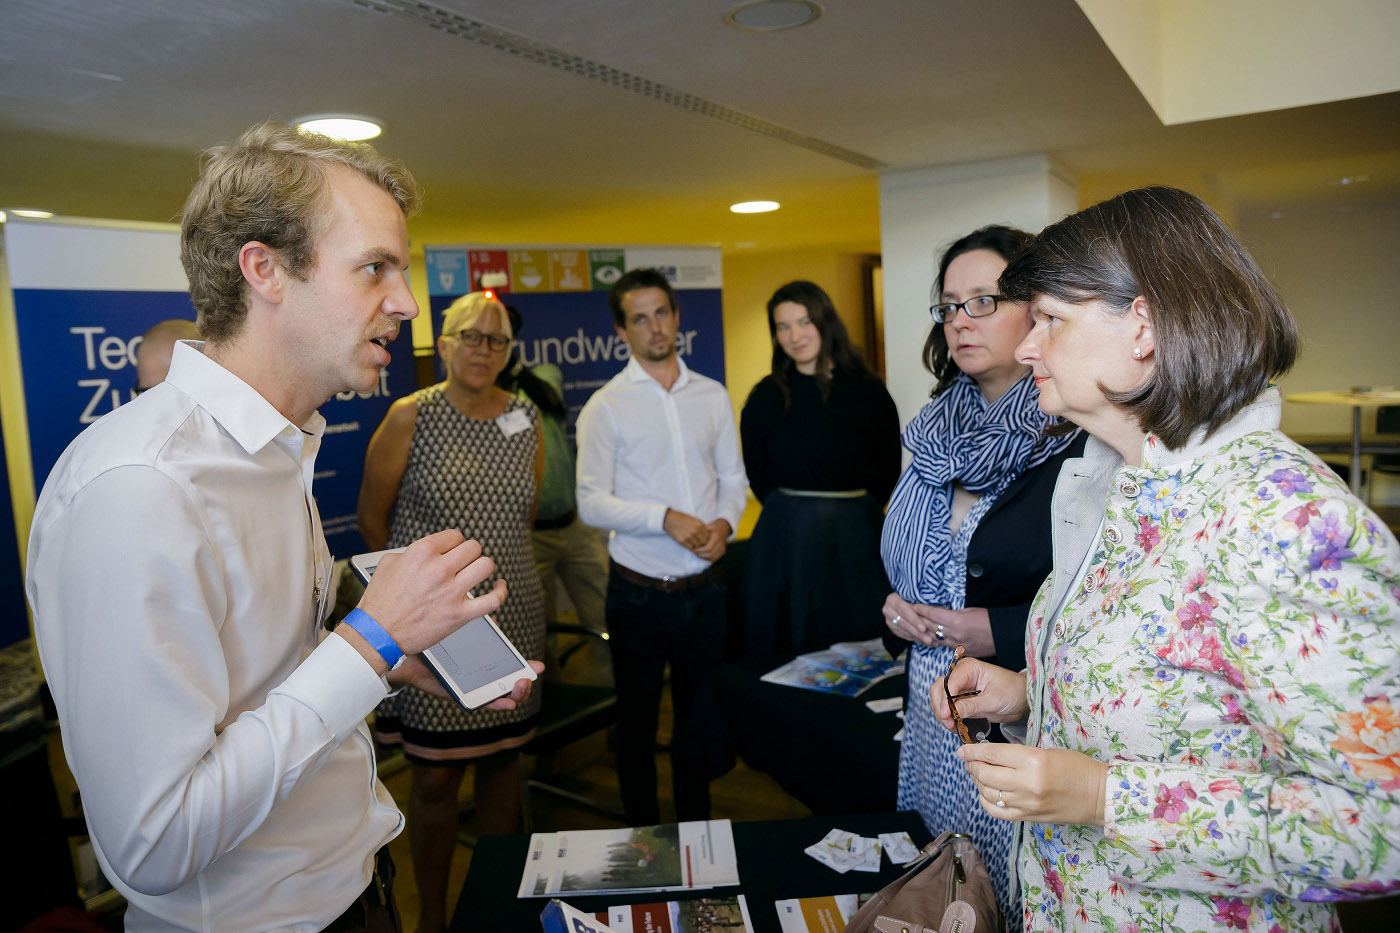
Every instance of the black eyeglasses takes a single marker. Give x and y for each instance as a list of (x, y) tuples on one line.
[(473, 338), (980, 306)]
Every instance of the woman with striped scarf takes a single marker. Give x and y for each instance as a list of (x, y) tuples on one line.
[(966, 541)]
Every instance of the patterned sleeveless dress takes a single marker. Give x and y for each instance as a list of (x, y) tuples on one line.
[(465, 473)]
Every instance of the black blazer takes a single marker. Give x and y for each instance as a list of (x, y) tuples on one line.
[(1010, 556)]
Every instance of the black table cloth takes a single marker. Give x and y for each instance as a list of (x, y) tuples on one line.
[(830, 752), (772, 867)]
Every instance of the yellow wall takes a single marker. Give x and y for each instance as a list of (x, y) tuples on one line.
[(750, 278)]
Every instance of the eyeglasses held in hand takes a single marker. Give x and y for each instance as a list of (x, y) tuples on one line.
[(473, 338), (980, 306), (969, 730)]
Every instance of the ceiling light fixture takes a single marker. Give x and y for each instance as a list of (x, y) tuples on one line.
[(347, 127), (31, 213), (1347, 180), (754, 207), (772, 15)]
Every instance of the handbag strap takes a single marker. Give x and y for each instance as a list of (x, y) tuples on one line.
[(927, 854)]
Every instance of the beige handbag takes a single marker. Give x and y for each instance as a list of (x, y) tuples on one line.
[(945, 889)]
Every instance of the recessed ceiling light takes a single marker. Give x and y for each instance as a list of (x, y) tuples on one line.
[(1346, 180), (343, 126), (772, 15), (31, 213), (754, 207)]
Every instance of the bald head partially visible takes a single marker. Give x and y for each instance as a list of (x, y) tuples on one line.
[(157, 345)]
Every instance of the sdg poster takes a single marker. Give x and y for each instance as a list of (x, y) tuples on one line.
[(562, 296), (81, 295)]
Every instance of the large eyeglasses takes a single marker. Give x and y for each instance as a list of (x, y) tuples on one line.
[(473, 338), (981, 306), (969, 730)]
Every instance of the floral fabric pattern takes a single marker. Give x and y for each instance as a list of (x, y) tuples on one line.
[(1232, 649)]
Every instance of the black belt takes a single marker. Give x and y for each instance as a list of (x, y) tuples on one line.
[(554, 524), (668, 584)]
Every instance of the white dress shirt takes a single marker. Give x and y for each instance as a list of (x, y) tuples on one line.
[(642, 450), (178, 577)]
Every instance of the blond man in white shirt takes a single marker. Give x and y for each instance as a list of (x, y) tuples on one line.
[(659, 467), (179, 577)]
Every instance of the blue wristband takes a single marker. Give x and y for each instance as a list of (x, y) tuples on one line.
[(374, 633)]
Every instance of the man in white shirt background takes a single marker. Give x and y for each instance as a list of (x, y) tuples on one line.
[(178, 573), (659, 467)]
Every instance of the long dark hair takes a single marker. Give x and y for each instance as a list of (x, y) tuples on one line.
[(837, 354), (1006, 242)]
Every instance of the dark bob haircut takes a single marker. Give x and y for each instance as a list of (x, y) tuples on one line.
[(1221, 331), (1006, 242), (633, 281), (837, 354)]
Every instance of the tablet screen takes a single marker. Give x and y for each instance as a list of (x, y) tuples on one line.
[(475, 655)]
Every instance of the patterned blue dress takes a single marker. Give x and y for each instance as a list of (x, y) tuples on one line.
[(932, 779)]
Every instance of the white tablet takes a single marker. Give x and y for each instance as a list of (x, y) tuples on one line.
[(475, 664)]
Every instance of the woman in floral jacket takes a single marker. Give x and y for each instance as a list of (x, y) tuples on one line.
[(1212, 696)]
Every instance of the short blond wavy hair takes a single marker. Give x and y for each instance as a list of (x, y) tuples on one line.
[(466, 311), (271, 187)]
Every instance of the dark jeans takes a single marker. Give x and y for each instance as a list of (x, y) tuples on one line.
[(648, 628)]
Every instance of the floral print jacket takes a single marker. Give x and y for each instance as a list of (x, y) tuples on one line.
[(1231, 646)]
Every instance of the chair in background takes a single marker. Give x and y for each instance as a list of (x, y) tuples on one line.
[(569, 712), (1387, 422)]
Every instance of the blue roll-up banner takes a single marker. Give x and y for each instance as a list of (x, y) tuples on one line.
[(81, 293), (561, 293)]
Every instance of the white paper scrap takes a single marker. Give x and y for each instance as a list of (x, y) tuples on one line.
[(887, 705), (869, 850), (899, 847), (836, 850)]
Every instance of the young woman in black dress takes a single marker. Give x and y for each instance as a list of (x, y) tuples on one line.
[(821, 448)]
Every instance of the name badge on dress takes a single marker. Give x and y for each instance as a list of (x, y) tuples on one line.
[(513, 422)]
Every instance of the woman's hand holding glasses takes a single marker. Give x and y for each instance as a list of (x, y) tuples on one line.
[(1015, 782), (980, 691)]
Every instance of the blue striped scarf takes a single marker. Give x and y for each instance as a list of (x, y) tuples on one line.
[(957, 436)]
